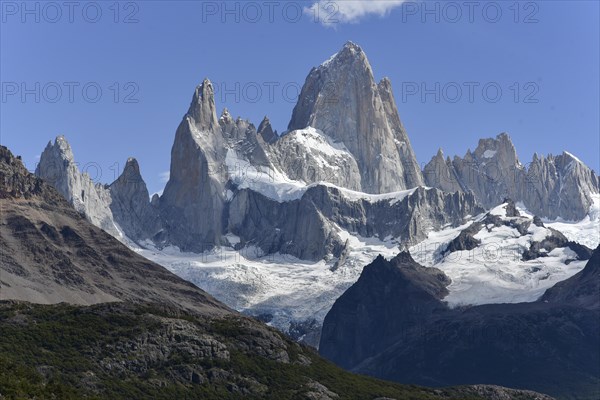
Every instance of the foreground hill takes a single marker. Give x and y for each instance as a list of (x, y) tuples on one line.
[(134, 330), (393, 324)]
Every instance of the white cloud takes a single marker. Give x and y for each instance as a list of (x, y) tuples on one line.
[(330, 13), (164, 176)]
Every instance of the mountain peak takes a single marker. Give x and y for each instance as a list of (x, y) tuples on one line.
[(226, 117), (60, 148), (341, 99), (202, 108), (131, 167), (351, 48), (349, 54), (500, 148), (571, 157), (351, 45), (265, 130), (56, 162), (385, 84)]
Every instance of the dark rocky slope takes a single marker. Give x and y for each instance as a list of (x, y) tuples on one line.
[(394, 325)]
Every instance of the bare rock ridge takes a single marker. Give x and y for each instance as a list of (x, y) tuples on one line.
[(193, 200), (345, 136), (121, 209), (553, 186), (266, 131), (440, 173), (130, 206), (57, 167), (341, 99)]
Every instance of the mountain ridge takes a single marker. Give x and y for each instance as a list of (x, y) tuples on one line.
[(114, 325)]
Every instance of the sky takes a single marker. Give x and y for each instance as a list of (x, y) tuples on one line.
[(116, 78)]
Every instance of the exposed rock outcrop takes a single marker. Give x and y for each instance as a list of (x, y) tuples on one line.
[(131, 206), (553, 186), (308, 228), (265, 130), (57, 167), (192, 203), (341, 99), (440, 173)]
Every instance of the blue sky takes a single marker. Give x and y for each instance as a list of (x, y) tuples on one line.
[(147, 56)]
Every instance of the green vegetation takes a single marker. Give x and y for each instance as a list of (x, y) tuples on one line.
[(69, 352)]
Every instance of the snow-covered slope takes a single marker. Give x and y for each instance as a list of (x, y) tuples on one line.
[(281, 289), (501, 267), (586, 231)]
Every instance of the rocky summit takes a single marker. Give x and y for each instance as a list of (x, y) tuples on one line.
[(554, 186), (341, 98), (225, 172)]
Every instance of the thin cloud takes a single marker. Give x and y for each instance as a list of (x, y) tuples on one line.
[(330, 13), (164, 176)]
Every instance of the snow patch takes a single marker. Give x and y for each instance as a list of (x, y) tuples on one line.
[(586, 231), (489, 153), (573, 157)]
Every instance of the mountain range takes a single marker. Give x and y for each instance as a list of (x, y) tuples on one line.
[(280, 226), (83, 316)]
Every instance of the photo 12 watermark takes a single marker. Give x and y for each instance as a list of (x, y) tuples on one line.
[(469, 92), (331, 13), (69, 92), (54, 12)]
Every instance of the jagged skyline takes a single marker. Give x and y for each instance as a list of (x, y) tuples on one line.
[(566, 118)]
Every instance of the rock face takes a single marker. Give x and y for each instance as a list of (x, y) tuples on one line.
[(551, 187), (265, 130), (393, 324), (341, 99), (122, 209), (131, 206), (559, 186), (57, 166), (440, 173), (310, 227), (193, 200)]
